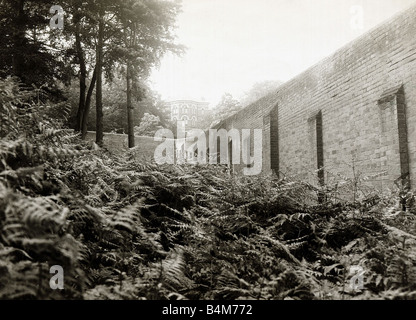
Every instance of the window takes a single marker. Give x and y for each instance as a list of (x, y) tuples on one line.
[(274, 140), (319, 148), (246, 147), (394, 136), (186, 119), (316, 145), (230, 156)]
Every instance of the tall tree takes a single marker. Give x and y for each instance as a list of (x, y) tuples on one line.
[(130, 125), (99, 71), (25, 45), (99, 36), (82, 28), (89, 30), (147, 27), (226, 108), (114, 99)]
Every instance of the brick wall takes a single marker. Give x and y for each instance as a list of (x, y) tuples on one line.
[(365, 96)]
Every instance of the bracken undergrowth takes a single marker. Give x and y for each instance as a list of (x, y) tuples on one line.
[(122, 228)]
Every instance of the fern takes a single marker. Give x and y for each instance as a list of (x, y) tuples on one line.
[(126, 229)]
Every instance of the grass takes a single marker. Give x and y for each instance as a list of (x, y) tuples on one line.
[(117, 143)]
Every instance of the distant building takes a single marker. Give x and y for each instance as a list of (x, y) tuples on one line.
[(192, 112)]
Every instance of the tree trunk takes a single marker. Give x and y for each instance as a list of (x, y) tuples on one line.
[(84, 125), (19, 39), (82, 80), (130, 125), (99, 67)]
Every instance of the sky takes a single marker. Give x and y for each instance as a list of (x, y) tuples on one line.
[(232, 44)]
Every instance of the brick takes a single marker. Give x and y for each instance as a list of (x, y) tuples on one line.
[(366, 92)]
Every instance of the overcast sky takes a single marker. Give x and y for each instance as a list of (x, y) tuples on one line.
[(233, 44)]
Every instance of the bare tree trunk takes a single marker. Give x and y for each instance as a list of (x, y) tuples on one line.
[(82, 80), (130, 125), (19, 39), (99, 139), (84, 125)]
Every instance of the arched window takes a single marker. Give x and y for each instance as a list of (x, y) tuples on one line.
[(186, 119)]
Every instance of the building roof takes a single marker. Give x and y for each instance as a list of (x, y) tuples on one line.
[(189, 101)]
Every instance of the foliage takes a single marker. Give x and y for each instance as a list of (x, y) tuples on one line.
[(258, 91), (225, 108), (115, 106), (148, 125), (124, 229), (25, 44)]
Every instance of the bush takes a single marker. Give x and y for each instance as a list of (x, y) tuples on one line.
[(148, 125)]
